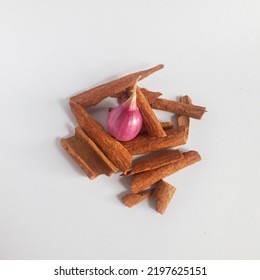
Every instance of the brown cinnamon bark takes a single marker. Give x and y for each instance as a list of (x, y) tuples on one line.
[(184, 120), (156, 161), (95, 95), (113, 149), (151, 96), (162, 193), (132, 199), (143, 144), (153, 126), (165, 126), (188, 110), (87, 155), (145, 179)]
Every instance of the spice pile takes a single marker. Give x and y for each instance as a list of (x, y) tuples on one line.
[(97, 152)]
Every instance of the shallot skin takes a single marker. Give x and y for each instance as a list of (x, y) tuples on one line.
[(125, 121)]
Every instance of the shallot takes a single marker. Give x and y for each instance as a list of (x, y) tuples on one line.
[(125, 121)]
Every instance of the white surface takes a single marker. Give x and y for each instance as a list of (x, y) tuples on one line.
[(51, 50)]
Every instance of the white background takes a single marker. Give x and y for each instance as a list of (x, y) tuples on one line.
[(51, 50)]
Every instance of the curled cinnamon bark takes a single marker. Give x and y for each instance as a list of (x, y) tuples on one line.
[(188, 110), (95, 95), (145, 179), (153, 126), (113, 149), (184, 120), (87, 155), (143, 144), (150, 95), (132, 199), (156, 161)]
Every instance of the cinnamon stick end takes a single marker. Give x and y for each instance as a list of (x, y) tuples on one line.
[(86, 169), (87, 155), (132, 199), (162, 193)]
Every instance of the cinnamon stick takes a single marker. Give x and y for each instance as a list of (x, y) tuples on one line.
[(150, 120), (150, 95), (145, 179), (132, 199), (143, 144), (121, 158), (95, 95), (162, 193), (156, 161), (184, 120), (188, 110), (87, 155)]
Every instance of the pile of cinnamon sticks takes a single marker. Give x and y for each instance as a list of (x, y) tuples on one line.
[(97, 152)]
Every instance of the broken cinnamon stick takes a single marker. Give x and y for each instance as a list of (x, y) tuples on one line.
[(184, 120), (122, 158), (188, 110), (145, 179), (143, 144), (156, 161), (153, 126), (132, 199), (95, 95), (162, 193), (87, 155)]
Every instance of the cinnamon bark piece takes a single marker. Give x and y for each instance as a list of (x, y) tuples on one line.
[(145, 179), (150, 120), (165, 126), (87, 155), (151, 96), (113, 149), (184, 120), (132, 199), (95, 95), (143, 144), (156, 161), (162, 193), (188, 110)]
